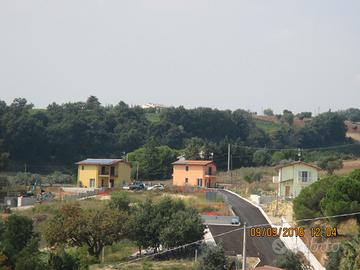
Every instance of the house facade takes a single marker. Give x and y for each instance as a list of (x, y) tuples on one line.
[(196, 173), (106, 173), (295, 176)]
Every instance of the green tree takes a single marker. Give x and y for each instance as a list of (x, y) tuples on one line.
[(189, 230), (193, 148), (330, 164), (289, 261), (154, 161), (155, 224), (268, 112), (342, 197), (143, 231), (261, 158), (93, 228), (212, 258), (307, 203), (120, 201), (61, 260), (346, 257), (288, 117), (17, 237), (277, 157), (17, 233), (303, 115), (29, 257)]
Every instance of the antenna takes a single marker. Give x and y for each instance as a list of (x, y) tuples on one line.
[(299, 154)]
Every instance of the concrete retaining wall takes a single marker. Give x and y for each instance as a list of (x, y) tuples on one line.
[(78, 189), (24, 201), (292, 243), (296, 244), (11, 201), (262, 199)]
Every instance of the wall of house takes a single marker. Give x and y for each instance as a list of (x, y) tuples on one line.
[(298, 184), (123, 172), (283, 188), (89, 172), (206, 169), (194, 172), (291, 177), (180, 174)]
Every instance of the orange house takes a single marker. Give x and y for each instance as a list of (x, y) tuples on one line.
[(196, 173)]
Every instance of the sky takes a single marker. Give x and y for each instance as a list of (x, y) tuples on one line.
[(248, 54)]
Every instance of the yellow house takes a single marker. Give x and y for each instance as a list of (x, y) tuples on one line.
[(198, 173), (107, 173), (293, 177)]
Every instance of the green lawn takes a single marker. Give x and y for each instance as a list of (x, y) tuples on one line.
[(267, 126)]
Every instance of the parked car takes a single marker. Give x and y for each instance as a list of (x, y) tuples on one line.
[(137, 186), (156, 187), (235, 221)]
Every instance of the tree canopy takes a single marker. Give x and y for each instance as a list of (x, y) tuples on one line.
[(63, 134)]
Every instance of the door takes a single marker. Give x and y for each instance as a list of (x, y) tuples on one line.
[(92, 182), (287, 191), (111, 183)]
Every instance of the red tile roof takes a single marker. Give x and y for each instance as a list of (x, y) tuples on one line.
[(193, 162)]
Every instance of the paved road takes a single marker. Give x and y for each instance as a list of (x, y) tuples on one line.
[(256, 246)]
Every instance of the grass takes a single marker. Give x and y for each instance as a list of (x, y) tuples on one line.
[(267, 126), (154, 265), (199, 202), (119, 251), (253, 186)]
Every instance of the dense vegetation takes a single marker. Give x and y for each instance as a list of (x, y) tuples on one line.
[(330, 196), (44, 139), (77, 235)]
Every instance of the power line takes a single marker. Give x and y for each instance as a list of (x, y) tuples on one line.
[(237, 229)]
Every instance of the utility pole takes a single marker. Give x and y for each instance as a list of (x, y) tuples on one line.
[(25, 167), (102, 254), (228, 165), (244, 248), (196, 255), (137, 170)]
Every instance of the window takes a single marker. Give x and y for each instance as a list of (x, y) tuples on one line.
[(186, 168), (210, 170), (92, 182), (186, 180), (304, 176), (199, 182), (82, 168)]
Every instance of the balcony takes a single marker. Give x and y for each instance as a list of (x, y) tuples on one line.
[(107, 174)]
